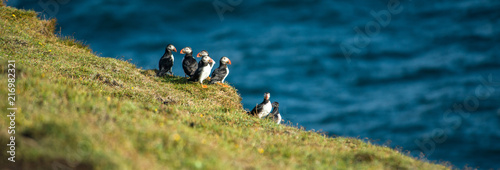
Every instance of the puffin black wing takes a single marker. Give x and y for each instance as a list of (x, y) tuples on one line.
[(257, 109), (165, 65), (218, 75), (190, 66), (196, 74)]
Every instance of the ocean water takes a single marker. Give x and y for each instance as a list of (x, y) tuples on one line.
[(424, 76)]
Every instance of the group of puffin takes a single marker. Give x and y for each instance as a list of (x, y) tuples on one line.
[(196, 71), (199, 71), (264, 109)]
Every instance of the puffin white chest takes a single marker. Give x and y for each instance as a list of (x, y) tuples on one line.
[(278, 118), (205, 73), (227, 73), (266, 109)]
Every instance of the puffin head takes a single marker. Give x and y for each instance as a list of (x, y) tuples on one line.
[(276, 104), (171, 47), (202, 53), (267, 95), (225, 60), (207, 59), (186, 50)]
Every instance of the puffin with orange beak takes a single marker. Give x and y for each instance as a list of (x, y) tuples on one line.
[(167, 61), (275, 115), (189, 63), (204, 68), (220, 74), (263, 109), (201, 54)]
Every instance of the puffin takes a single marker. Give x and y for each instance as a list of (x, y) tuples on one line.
[(263, 109), (201, 54), (204, 68), (167, 61), (189, 63), (220, 74), (275, 114)]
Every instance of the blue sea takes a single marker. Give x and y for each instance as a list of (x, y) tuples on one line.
[(422, 76)]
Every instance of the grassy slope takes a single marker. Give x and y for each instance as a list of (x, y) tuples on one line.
[(84, 111)]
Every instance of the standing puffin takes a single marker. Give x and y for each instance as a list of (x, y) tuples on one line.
[(263, 109), (167, 61), (189, 63), (201, 54), (205, 53), (220, 74), (275, 114), (204, 67)]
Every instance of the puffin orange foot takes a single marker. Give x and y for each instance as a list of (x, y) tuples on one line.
[(204, 86)]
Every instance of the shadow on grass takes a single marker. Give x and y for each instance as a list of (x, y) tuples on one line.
[(166, 78), (175, 80)]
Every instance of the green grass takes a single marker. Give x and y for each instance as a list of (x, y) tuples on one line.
[(80, 110)]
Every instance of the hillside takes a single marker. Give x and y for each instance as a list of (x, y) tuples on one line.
[(82, 111)]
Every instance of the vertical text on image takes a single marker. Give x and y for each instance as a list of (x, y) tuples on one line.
[(11, 99)]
